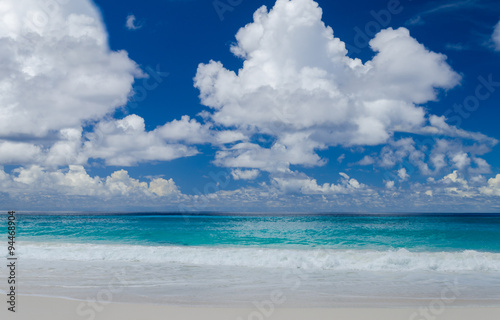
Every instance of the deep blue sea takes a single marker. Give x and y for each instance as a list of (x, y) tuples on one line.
[(318, 260)]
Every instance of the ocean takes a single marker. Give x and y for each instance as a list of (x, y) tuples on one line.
[(316, 260)]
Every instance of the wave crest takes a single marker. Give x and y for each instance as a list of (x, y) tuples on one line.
[(325, 259)]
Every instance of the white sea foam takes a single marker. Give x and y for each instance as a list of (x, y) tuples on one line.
[(360, 260)]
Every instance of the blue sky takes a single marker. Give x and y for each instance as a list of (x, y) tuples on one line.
[(250, 105)]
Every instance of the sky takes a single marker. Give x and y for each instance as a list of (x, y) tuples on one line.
[(250, 106)]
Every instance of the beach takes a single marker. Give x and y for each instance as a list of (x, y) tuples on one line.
[(43, 308), (256, 267)]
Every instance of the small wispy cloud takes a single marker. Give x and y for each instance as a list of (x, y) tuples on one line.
[(450, 6), (456, 46), (415, 21), (496, 37), (131, 24)]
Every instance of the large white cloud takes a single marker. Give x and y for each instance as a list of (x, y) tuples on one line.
[(57, 69), (58, 76), (298, 85)]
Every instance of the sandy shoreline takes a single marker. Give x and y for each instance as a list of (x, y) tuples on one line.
[(45, 308)]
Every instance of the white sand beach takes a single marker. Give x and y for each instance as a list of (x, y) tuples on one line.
[(44, 308)]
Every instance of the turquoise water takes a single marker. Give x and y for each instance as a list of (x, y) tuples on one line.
[(315, 260), (375, 232)]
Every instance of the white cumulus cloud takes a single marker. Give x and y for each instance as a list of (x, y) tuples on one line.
[(58, 72), (125, 142), (298, 86), (59, 76), (493, 187), (75, 181)]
